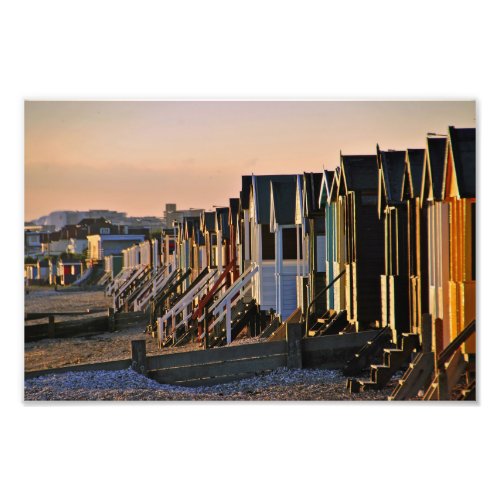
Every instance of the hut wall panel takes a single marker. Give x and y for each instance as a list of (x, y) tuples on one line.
[(268, 285), (399, 309), (348, 292), (339, 302), (384, 300)]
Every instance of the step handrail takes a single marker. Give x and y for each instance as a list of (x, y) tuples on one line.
[(318, 296), (197, 312), (455, 344), (240, 283)]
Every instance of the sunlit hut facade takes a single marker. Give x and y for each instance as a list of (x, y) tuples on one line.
[(437, 215), (336, 241), (459, 191), (262, 242), (325, 203), (363, 239), (287, 245), (417, 238), (314, 230), (394, 289)]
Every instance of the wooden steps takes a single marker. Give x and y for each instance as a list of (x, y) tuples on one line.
[(393, 360), (416, 378), (270, 329), (369, 353), (330, 323)]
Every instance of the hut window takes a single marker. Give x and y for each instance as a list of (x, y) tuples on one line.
[(289, 237), (267, 243)]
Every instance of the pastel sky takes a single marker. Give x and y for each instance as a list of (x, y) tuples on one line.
[(135, 156)]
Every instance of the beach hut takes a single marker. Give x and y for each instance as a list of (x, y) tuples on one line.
[(207, 220), (362, 237), (243, 232), (417, 238), (262, 242), (314, 229), (234, 248), (327, 183), (68, 269), (436, 212), (394, 290), (459, 191), (287, 245), (303, 263)]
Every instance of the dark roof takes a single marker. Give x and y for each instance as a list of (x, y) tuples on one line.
[(246, 184), (69, 260), (334, 186), (436, 155), (326, 184), (463, 148), (262, 194), (392, 168), (415, 168), (234, 206), (94, 220), (284, 195), (223, 220), (360, 172), (44, 262), (209, 221), (312, 188)]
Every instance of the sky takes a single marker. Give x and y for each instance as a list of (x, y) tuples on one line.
[(135, 156)]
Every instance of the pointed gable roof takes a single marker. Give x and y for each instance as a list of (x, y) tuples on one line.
[(311, 190), (246, 184), (324, 191), (359, 173), (461, 157), (334, 188), (222, 221), (433, 174), (283, 196), (234, 204), (299, 201), (261, 190), (208, 221), (415, 161), (391, 165)]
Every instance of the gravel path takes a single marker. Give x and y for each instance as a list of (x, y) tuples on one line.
[(280, 385)]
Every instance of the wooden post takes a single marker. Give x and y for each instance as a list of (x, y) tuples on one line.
[(294, 343), (111, 320), (437, 336), (228, 322), (51, 327), (139, 356), (206, 343), (426, 335)]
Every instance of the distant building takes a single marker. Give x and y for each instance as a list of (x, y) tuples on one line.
[(101, 245), (62, 218), (171, 214), (69, 270)]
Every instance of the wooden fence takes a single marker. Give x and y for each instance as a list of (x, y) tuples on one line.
[(65, 329), (225, 364)]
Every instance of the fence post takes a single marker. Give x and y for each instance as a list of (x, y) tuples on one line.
[(139, 356), (228, 322), (111, 319), (51, 327), (294, 344), (206, 342)]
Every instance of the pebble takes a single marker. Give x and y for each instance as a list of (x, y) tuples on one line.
[(281, 384)]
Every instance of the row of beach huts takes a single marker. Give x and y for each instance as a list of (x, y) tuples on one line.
[(383, 241)]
